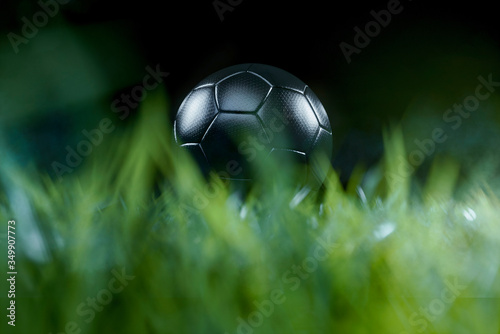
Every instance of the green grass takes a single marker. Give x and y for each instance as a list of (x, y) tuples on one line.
[(374, 257)]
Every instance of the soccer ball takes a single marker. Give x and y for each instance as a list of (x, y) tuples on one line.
[(244, 115)]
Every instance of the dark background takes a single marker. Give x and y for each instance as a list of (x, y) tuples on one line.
[(430, 51)]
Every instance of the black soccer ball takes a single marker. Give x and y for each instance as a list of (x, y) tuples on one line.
[(246, 114)]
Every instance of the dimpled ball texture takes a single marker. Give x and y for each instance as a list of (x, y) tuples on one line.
[(250, 113)]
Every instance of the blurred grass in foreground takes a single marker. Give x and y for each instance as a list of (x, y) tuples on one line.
[(378, 257)]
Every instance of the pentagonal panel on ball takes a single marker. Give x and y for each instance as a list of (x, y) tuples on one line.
[(233, 144), (242, 92), (195, 115), (290, 120)]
